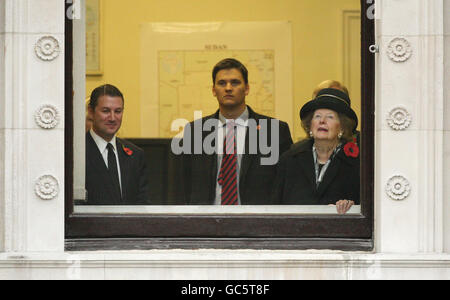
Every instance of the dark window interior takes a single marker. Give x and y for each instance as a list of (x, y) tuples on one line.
[(147, 231)]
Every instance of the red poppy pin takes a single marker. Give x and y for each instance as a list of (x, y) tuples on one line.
[(351, 149), (128, 151)]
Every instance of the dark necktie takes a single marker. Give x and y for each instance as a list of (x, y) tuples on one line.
[(228, 174), (112, 168)]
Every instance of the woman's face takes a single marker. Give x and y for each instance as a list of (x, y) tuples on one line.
[(325, 125)]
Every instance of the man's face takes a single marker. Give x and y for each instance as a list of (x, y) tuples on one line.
[(107, 116), (230, 88)]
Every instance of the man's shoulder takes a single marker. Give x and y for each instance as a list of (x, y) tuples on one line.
[(89, 136), (91, 145), (254, 115), (202, 120), (258, 116)]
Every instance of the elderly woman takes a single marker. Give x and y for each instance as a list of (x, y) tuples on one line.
[(323, 169)]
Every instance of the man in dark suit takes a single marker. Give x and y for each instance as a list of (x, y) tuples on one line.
[(116, 171), (239, 167)]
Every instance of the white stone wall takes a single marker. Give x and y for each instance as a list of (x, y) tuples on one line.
[(30, 223), (410, 78), (446, 179), (224, 265), (2, 124), (411, 233)]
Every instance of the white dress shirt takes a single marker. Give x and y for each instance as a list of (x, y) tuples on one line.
[(241, 130), (102, 147)]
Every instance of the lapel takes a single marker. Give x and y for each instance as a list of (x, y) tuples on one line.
[(211, 160), (329, 176), (125, 167), (332, 171), (95, 159), (94, 156), (305, 161), (247, 158)]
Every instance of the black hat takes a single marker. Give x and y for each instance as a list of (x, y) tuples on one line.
[(333, 99)]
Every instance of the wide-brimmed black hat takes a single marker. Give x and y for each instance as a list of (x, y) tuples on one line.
[(333, 99)]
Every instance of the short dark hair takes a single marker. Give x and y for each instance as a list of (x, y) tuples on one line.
[(230, 63), (104, 90)]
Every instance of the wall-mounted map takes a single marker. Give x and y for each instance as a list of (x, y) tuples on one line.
[(177, 62), (185, 83)]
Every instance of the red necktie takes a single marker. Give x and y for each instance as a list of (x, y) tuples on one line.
[(228, 175)]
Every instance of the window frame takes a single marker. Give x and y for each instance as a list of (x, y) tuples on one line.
[(148, 231)]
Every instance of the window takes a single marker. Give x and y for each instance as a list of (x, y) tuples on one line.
[(140, 230)]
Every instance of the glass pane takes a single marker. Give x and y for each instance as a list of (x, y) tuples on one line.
[(158, 62)]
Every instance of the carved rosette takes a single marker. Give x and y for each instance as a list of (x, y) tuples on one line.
[(399, 118), (399, 50), (398, 187), (47, 48), (47, 187), (47, 116)]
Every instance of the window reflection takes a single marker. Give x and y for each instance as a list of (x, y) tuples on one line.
[(151, 81)]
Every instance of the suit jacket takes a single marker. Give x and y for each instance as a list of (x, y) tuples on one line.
[(255, 180), (296, 179), (133, 172)]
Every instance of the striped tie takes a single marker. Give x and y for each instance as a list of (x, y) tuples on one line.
[(228, 175)]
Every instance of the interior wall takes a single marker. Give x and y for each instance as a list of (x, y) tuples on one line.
[(318, 39)]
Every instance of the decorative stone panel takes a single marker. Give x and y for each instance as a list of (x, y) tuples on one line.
[(398, 187), (47, 116), (399, 50), (47, 187), (47, 48), (399, 118)]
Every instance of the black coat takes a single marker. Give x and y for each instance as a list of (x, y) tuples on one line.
[(296, 183), (133, 172), (255, 180)]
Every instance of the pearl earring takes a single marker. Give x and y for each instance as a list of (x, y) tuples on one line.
[(340, 135), (311, 134)]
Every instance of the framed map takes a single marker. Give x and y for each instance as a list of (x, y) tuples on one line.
[(185, 84), (93, 37), (177, 60)]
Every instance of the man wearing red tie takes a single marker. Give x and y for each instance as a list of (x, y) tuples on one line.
[(235, 174)]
